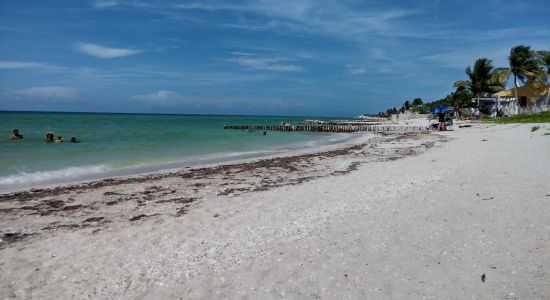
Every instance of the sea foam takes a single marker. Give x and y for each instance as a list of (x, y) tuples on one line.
[(73, 173)]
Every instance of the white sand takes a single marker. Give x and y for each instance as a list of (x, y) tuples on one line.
[(425, 226)]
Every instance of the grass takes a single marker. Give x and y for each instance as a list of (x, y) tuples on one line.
[(543, 117)]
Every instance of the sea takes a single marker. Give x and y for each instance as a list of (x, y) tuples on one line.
[(125, 144)]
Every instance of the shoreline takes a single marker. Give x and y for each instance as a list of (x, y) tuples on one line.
[(397, 216), (205, 182), (188, 171), (114, 146), (336, 140)]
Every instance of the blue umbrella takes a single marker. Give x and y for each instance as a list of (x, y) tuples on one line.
[(440, 109)]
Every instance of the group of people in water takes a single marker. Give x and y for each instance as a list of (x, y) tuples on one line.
[(49, 138)]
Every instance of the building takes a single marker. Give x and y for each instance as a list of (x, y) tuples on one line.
[(532, 99)]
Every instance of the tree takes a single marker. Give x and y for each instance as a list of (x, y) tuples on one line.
[(462, 98), (454, 97), (482, 78), (417, 102), (499, 79), (524, 64), (545, 59)]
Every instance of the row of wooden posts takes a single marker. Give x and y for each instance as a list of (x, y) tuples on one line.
[(330, 128)]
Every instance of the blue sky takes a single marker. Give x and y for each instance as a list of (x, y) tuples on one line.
[(269, 57)]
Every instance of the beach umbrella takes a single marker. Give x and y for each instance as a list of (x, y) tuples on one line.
[(440, 109)]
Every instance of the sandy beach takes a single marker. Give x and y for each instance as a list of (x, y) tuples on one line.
[(461, 214)]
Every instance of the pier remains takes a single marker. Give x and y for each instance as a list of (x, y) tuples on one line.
[(332, 128)]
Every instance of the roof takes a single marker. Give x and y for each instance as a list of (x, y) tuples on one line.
[(532, 89), (505, 93)]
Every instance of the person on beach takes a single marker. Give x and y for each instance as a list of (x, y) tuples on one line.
[(448, 120), (430, 117), (477, 114), (441, 117), (15, 135), (49, 137)]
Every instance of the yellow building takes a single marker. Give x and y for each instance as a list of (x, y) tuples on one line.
[(533, 93), (531, 99)]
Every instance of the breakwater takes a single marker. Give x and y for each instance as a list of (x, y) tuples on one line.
[(330, 128)]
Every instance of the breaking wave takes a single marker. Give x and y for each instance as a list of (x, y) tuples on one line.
[(71, 173)]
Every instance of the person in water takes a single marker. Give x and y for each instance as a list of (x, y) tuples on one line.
[(15, 135), (49, 137), (74, 140), (59, 139)]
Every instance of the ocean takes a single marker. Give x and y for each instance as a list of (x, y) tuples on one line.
[(125, 144)]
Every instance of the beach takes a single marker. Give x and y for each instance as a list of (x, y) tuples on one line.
[(438, 215)]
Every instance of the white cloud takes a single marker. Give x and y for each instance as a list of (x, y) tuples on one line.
[(211, 6), (162, 97), (20, 65), (386, 70), (105, 52), (268, 64), (48, 92), (239, 53), (105, 3), (354, 70), (325, 17), (358, 71), (462, 59), (28, 65)]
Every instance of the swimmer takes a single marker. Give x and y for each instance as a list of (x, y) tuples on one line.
[(59, 139), (74, 140), (49, 137), (15, 135)]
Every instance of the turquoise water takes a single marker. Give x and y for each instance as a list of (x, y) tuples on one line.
[(112, 143)]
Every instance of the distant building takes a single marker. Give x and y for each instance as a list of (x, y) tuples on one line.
[(531, 98)]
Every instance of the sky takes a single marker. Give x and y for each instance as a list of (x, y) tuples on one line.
[(266, 57)]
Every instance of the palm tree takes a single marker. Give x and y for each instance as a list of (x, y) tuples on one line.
[(457, 96), (483, 78), (524, 64), (499, 79), (545, 59)]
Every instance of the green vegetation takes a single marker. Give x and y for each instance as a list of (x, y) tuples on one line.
[(543, 117), (484, 80), (524, 64)]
